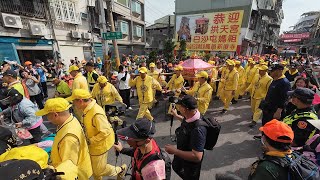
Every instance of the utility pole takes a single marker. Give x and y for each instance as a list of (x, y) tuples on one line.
[(169, 28), (114, 42), (103, 29)]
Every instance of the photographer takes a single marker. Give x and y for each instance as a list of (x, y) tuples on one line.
[(190, 140)]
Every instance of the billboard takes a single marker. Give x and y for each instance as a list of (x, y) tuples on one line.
[(217, 31), (292, 40), (295, 36)]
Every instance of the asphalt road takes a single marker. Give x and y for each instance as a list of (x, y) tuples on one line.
[(235, 151)]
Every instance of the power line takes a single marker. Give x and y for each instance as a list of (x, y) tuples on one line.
[(153, 11), (156, 8)]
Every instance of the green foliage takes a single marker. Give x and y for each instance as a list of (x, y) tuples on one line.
[(207, 56), (152, 57), (183, 49), (168, 50)]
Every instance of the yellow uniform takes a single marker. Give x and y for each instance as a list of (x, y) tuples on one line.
[(80, 82), (155, 75), (100, 136), (63, 89), (106, 96), (70, 144), (250, 74), (240, 90), (230, 85), (258, 88), (203, 94), (145, 94), (213, 79), (175, 83), (224, 72), (91, 80), (285, 70)]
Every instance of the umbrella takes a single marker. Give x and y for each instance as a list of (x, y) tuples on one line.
[(192, 66)]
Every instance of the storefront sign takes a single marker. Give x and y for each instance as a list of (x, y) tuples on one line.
[(218, 31), (33, 41), (292, 40), (295, 36)]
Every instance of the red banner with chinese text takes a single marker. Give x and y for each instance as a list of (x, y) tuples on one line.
[(218, 31)]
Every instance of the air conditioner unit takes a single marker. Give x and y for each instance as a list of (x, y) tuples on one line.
[(38, 29), (76, 34), (12, 21), (87, 35)]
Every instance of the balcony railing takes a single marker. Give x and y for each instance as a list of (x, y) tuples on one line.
[(30, 8)]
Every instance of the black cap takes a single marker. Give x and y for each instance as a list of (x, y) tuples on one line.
[(276, 66), (188, 102), (91, 64), (15, 169), (140, 129), (293, 65), (10, 72), (305, 95)]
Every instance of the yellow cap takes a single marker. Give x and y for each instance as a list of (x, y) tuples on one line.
[(263, 68), (178, 68), (203, 74), (102, 79), (250, 59), (284, 63), (230, 62), (212, 62), (73, 68), (54, 105), (237, 62), (79, 94), (143, 70), (152, 65)]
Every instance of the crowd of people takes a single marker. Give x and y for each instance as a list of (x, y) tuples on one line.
[(282, 93)]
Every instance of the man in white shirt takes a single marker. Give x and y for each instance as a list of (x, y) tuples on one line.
[(124, 88)]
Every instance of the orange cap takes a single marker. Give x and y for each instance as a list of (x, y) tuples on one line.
[(169, 64), (275, 130), (27, 63)]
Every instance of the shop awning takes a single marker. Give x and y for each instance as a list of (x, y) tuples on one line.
[(35, 48)]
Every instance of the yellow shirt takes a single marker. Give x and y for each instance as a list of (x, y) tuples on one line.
[(285, 70), (106, 96), (231, 80), (70, 144), (80, 82), (259, 86), (242, 73), (155, 75), (145, 88), (250, 73), (97, 129), (17, 86), (203, 94), (214, 74), (175, 82), (63, 89)]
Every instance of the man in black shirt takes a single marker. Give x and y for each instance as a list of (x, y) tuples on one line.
[(190, 140), (292, 73), (274, 103)]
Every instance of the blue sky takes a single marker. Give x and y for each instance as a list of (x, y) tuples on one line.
[(292, 9)]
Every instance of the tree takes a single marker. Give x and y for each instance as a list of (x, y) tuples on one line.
[(152, 57), (168, 50), (183, 50)]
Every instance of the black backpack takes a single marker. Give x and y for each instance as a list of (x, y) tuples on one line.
[(213, 131), (162, 155), (299, 167)]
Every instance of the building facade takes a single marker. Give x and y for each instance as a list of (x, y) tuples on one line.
[(260, 23), (159, 32), (65, 29)]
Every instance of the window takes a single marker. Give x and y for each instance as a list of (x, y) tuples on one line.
[(123, 2), (124, 27), (65, 11), (136, 7), (30, 8), (137, 31)]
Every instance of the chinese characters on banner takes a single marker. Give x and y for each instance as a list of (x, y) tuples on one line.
[(217, 31)]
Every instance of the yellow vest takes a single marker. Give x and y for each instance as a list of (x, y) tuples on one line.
[(145, 88), (250, 73), (231, 80), (259, 86), (18, 86), (80, 82), (105, 96), (203, 95), (241, 75), (91, 81), (155, 75), (72, 126), (175, 83), (90, 130)]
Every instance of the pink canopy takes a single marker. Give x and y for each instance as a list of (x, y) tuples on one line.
[(196, 64)]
